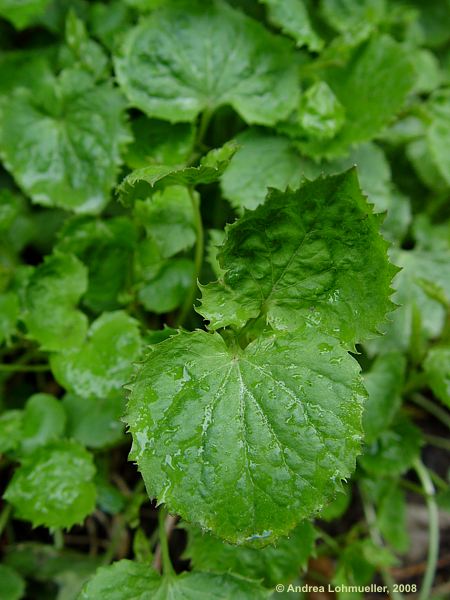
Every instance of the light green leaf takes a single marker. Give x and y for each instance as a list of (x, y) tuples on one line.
[(128, 580), (61, 141), (159, 142), (384, 384), (216, 239), (321, 115), (312, 256), (94, 422), (438, 134), (104, 362), (53, 486), (51, 295), (293, 19), (345, 15), (391, 518), (218, 56), (418, 265), (168, 288), (10, 430), (23, 12), (437, 369), (81, 51), (394, 451), (106, 248), (140, 184), (44, 420), (263, 160), (372, 87), (9, 315), (168, 219), (246, 443), (13, 586), (272, 564)]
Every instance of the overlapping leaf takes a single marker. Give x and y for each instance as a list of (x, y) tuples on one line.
[(246, 443)]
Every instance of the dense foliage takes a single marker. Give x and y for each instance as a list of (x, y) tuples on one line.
[(224, 296)]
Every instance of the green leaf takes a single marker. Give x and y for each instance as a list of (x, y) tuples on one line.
[(51, 295), (372, 87), (312, 256), (104, 362), (159, 142), (338, 506), (321, 115), (384, 384), (61, 141), (13, 586), (418, 265), (10, 430), (94, 422), (391, 518), (168, 219), (167, 289), (140, 184), (218, 56), (272, 564), (127, 580), (53, 486), (293, 19), (9, 315), (437, 369), (394, 451), (263, 160), (44, 420), (345, 15), (81, 51), (438, 134), (246, 443), (106, 248), (23, 12)]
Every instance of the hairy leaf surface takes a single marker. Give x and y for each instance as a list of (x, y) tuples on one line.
[(246, 443)]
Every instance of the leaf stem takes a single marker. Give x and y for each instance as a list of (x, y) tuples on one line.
[(58, 539), (432, 408), (167, 567), (24, 368), (436, 440), (433, 538), (375, 535), (203, 126), (198, 258), (4, 517)]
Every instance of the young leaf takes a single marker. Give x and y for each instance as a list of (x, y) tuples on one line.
[(128, 580), (272, 564), (384, 384), (53, 486), (52, 293), (293, 19), (345, 15), (372, 87), (437, 369), (61, 141), (104, 362), (94, 422), (218, 56), (321, 115), (313, 256), (140, 184), (10, 430), (246, 443)]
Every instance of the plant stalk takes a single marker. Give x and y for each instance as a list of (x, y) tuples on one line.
[(433, 538), (432, 408), (167, 567)]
